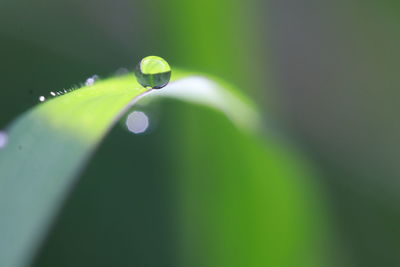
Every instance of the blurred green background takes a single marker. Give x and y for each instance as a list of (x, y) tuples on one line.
[(325, 73)]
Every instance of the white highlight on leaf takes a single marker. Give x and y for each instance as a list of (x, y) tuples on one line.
[(137, 122), (42, 98), (200, 90)]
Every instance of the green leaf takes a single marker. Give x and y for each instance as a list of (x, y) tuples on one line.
[(242, 202), (47, 148)]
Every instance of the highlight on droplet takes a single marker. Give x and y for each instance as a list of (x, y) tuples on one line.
[(42, 98), (137, 122)]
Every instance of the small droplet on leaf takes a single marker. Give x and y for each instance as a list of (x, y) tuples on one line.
[(121, 71), (91, 80), (42, 98), (153, 72), (3, 139)]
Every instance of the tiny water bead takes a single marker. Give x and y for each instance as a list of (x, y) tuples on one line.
[(42, 98), (153, 72), (91, 80), (121, 71), (3, 139)]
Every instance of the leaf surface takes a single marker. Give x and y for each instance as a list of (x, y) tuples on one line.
[(49, 145)]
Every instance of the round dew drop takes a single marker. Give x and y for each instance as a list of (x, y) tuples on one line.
[(153, 72)]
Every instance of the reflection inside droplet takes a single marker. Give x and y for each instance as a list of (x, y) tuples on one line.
[(137, 122), (3, 139), (42, 98)]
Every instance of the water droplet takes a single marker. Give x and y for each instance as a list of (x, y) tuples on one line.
[(3, 139), (42, 98), (153, 72), (52, 93), (137, 122), (91, 80), (121, 71)]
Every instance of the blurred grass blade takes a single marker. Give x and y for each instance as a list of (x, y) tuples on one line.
[(50, 144)]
